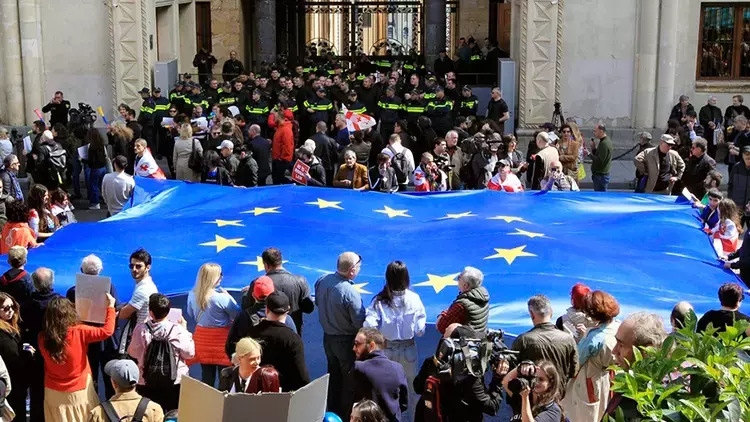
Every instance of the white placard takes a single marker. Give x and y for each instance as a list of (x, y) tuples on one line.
[(234, 110), (83, 152), (175, 315), (167, 121), (91, 297)]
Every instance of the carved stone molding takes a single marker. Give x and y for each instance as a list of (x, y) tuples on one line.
[(541, 61), (131, 67)]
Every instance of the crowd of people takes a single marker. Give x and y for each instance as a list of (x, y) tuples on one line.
[(254, 344)]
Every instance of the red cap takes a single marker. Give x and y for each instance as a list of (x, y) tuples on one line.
[(263, 287), (288, 114)]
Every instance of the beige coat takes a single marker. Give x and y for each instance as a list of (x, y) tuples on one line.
[(592, 381), (647, 162), (181, 155)]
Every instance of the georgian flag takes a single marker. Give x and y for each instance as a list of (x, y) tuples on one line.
[(147, 167), (356, 121)]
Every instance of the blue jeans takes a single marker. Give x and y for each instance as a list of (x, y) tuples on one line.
[(94, 182), (600, 182), (76, 177)]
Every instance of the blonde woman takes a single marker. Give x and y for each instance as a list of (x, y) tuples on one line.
[(183, 148), (121, 139), (213, 310), (582, 151), (246, 360)]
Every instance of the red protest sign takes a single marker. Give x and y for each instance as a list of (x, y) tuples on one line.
[(300, 172)]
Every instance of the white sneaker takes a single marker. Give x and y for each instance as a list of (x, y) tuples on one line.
[(94, 207)]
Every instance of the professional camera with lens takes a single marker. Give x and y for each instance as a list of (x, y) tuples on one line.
[(443, 163), (523, 381), (472, 356), (84, 115)]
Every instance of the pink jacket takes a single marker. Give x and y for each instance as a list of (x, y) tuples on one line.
[(180, 338)]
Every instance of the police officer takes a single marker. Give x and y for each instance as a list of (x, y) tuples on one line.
[(161, 110), (177, 96), (414, 106), (469, 103), (430, 88), (146, 117), (319, 108), (256, 110), (59, 108), (354, 105), (227, 96), (212, 92), (195, 98), (389, 109), (440, 112)]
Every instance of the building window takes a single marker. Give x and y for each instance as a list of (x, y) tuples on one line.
[(203, 25), (724, 45)]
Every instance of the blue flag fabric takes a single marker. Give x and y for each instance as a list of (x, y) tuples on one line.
[(646, 250)]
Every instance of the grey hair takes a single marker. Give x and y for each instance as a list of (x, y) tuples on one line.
[(91, 265), (679, 313), (472, 276), (451, 133), (544, 136), (321, 126), (701, 143), (43, 279), (684, 98), (346, 262), (540, 305), (3, 131), (341, 117), (254, 128), (740, 118), (648, 329), (9, 159), (349, 153)]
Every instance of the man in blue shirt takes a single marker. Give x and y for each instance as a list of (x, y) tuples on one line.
[(341, 314)]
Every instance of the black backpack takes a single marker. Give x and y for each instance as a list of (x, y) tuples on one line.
[(159, 363), (431, 396), (57, 158), (140, 411), (399, 165)]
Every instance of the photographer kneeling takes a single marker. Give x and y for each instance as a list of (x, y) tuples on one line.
[(449, 392), (543, 384)]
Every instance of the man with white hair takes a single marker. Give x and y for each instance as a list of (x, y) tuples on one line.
[(710, 117), (6, 147), (472, 305), (457, 159), (546, 342), (557, 180), (341, 313), (260, 148), (49, 162), (641, 329), (351, 175), (103, 351), (545, 156)]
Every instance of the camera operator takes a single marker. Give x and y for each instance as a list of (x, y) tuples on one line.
[(428, 177), (58, 108), (459, 397), (557, 180), (539, 389), (383, 176)]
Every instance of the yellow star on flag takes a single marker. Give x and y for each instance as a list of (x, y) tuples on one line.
[(439, 282), (510, 255), (258, 263), (457, 216), (322, 203), (508, 219), (360, 288), (260, 211), (520, 232), (222, 243), (390, 212), (222, 223)]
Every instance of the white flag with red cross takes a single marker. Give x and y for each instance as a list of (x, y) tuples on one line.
[(355, 121)]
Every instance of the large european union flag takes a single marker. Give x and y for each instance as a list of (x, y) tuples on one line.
[(648, 251)]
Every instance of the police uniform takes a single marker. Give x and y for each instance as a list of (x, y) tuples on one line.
[(468, 105), (161, 110), (146, 118), (389, 109), (440, 112)]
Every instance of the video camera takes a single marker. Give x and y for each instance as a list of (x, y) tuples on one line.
[(84, 115), (472, 356), (443, 163), (486, 144)]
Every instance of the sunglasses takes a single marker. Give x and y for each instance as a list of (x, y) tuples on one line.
[(139, 266), (172, 111), (555, 168), (7, 308), (566, 131)]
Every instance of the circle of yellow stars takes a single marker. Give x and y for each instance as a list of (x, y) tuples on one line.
[(437, 282)]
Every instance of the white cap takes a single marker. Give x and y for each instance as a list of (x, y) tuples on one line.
[(226, 144)]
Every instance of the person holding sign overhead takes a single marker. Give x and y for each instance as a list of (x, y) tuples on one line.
[(69, 393)]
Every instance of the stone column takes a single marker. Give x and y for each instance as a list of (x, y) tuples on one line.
[(648, 45), (665, 95), (11, 43), (264, 30), (131, 59), (31, 51), (435, 29)]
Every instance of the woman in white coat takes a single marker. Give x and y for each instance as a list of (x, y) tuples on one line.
[(587, 394)]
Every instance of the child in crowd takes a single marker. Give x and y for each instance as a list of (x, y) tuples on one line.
[(713, 180), (62, 208), (710, 214), (726, 234)]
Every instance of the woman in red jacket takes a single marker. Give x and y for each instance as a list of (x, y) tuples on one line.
[(69, 393)]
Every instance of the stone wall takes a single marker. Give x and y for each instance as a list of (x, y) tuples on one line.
[(228, 30), (473, 19)]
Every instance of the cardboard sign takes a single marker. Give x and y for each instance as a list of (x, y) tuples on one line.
[(200, 403), (300, 172), (91, 299)]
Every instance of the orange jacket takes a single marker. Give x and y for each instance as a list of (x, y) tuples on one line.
[(283, 143)]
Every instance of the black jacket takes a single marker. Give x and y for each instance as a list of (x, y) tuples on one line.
[(247, 172), (58, 112), (676, 113), (15, 358), (443, 66), (33, 316), (17, 283), (261, 149), (326, 149), (385, 183), (546, 342), (732, 112), (696, 170), (738, 186), (383, 381), (221, 178), (295, 287), (284, 350), (232, 69), (466, 400), (743, 253), (317, 174), (709, 113)]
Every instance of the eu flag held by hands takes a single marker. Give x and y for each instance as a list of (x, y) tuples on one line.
[(646, 250)]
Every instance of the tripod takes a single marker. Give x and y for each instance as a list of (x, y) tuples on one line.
[(557, 116)]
